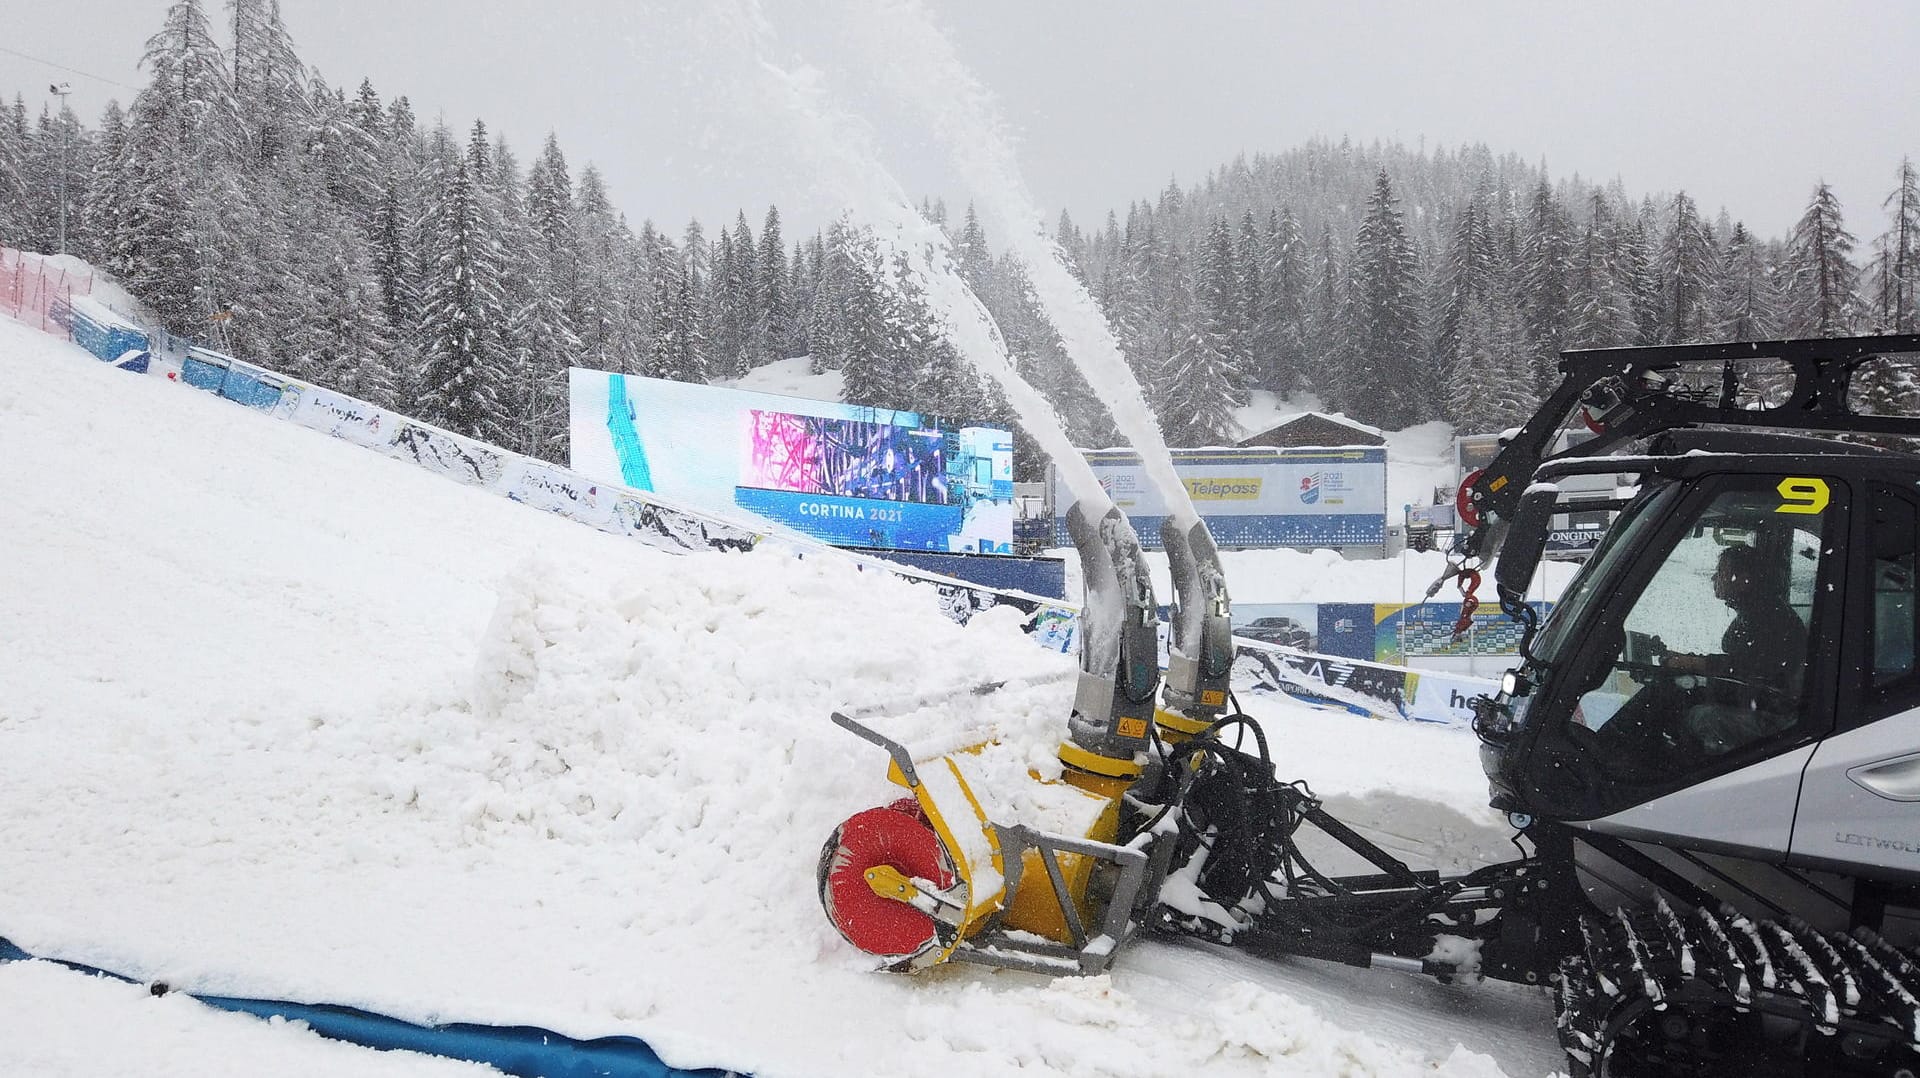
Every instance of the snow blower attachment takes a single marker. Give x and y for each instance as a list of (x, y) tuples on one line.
[(1051, 876)]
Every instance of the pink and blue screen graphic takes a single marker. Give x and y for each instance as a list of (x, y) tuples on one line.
[(808, 454), (851, 482)]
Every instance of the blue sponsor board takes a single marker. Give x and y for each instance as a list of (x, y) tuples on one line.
[(856, 522), (1346, 630), (1045, 577)]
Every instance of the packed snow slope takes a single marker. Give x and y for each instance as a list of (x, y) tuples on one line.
[(285, 718), (56, 1023)]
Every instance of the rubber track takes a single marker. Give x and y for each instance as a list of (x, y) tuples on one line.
[(1723, 961)]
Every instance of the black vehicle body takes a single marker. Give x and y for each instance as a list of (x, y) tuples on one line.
[(1721, 865)]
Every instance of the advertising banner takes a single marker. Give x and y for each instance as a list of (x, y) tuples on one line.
[(1289, 625), (1346, 630), (341, 416), (1403, 633), (1317, 679), (1253, 497), (843, 474), (1388, 692), (1443, 698), (462, 460), (1576, 540), (559, 491), (668, 528)]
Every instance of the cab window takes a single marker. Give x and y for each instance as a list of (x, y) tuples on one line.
[(1891, 620), (1710, 659)]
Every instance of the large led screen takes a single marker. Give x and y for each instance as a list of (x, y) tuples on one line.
[(846, 475)]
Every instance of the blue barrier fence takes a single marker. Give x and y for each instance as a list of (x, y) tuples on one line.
[(1045, 577), (216, 373), (102, 335)]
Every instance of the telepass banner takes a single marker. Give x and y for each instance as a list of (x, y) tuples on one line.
[(1253, 497), (843, 474)]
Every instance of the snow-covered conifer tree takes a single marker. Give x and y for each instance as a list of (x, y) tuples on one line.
[(1493, 387), (722, 311), (940, 381), (1896, 265), (1329, 343), (183, 258), (746, 306), (59, 155), (1601, 304), (13, 180), (680, 351), (1250, 258), (971, 254), (871, 361), (802, 277), (1282, 316), (1464, 281), (463, 310), (271, 91), (1636, 270), (827, 313), (1195, 394), (344, 155), (1689, 272), (1546, 280), (1384, 318), (605, 343), (103, 200), (1822, 281), (1747, 302), (771, 282)]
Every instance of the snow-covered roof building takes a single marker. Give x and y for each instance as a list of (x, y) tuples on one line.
[(1316, 429)]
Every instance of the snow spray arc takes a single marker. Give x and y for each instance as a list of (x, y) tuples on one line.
[(835, 145), (920, 68)]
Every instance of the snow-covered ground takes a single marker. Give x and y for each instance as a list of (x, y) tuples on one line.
[(55, 1023), (286, 718), (792, 377)]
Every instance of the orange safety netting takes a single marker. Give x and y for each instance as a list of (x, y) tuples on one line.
[(37, 290)]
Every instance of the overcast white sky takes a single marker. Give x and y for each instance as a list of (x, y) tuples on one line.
[(1743, 104)]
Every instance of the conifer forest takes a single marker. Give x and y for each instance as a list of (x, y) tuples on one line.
[(447, 275)]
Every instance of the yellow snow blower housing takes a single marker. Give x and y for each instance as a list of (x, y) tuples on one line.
[(997, 866)]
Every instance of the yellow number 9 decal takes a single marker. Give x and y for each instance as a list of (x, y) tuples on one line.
[(1802, 495)]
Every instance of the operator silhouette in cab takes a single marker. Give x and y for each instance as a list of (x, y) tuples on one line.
[(1764, 649)]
